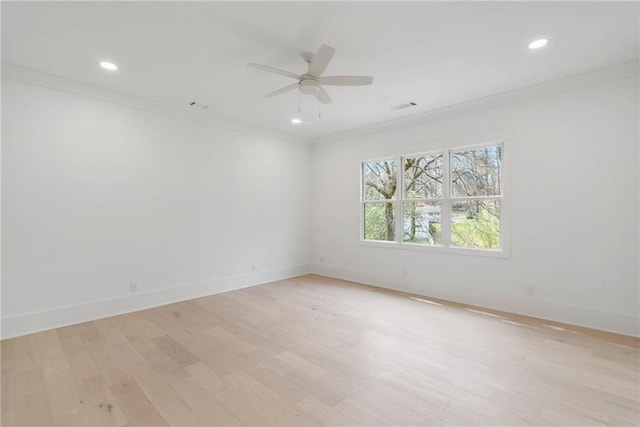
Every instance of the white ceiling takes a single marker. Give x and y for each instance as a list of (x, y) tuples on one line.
[(433, 53)]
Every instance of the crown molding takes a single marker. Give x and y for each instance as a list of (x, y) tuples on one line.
[(52, 81), (39, 78), (616, 72)]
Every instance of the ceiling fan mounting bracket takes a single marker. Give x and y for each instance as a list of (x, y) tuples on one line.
[(308, 57)]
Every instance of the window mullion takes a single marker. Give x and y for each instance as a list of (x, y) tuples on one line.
[(399, 198), (445, 209), (363, 201), (473, 198)]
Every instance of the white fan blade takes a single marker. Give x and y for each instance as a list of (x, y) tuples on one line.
[(282, 90), (346, 80), (323, 96), (321, 60), (274, 70)]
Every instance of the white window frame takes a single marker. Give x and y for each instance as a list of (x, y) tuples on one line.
[(446, 202), (445, 177), (363, 200)]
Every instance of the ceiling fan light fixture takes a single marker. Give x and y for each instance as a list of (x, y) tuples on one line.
[(309, 87), (296, 121)]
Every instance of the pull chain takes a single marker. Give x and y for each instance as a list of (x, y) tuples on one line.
[(298, 100)]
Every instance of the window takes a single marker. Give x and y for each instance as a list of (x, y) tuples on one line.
[(448, 199), (379, 195), (422, 199), (476, 184)]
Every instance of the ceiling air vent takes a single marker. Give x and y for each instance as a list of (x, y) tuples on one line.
[(198, 105), (403, 106)]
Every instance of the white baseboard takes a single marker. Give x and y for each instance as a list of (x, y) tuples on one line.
[(620, 323), (28, 323)]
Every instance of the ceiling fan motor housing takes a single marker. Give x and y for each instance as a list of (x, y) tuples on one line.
[(309, 86)]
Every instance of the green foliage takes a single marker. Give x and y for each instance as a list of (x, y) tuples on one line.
[(378, 222), (435, 229), (482, 230)]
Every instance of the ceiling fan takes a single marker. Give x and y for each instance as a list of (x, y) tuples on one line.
[(311, 82)]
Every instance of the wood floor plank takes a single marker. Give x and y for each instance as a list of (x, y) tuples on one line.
[(266, 405), (8, 398), (206, 377), (80, 362), (164, 398), (33, 407), (378, 412), (7, 354), (175, 351), (317, 351), (101, 406), (204, 403), (110, 332), (52, 355), (67, 406), (136, 406), (302, 364), (264, 373), (154, 379), (111, 369), (27, 354), (7, 382), (326, 414)]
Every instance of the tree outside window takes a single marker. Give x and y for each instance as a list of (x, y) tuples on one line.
[(450, 198)]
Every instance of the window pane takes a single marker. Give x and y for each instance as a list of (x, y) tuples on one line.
[(423, 177), (477, 172), (379, 221), (422, 223), (379, 180), (475, 224)]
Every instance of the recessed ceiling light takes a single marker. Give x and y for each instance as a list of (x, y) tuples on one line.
[(537, 44), (296, 121), (108, 66)]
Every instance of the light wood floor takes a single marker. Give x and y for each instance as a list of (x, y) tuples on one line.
[(319, 351)]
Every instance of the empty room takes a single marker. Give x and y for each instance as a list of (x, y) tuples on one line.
[(320, 213)]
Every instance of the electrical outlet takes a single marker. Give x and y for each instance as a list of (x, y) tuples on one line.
[(530, 290), (405, 272), (322, 260), (133, 287), (253, 267)]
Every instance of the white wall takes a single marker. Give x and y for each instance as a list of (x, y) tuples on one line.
[(574, 209), (98, 195)]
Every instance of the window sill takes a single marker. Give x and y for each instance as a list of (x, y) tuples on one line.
[(489, 253)]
